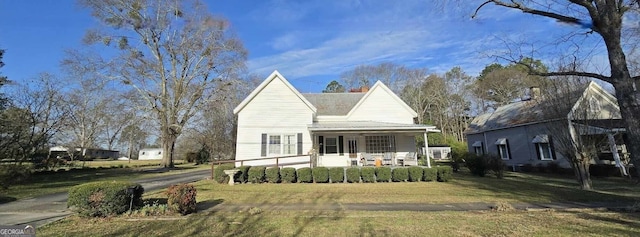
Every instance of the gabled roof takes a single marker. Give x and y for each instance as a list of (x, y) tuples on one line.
[(532, 111), (275, 75), (336, 104), (380, 86)]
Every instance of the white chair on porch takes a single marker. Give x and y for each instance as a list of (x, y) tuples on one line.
[(410, 159), (368, 159), (387, 159)]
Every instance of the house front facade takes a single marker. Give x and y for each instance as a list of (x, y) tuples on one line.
[(527, 133), (327, 129)]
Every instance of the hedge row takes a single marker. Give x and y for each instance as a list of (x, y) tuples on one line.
[(335, 174)]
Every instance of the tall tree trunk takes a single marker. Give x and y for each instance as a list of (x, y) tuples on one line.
[(583, 176), (629, 100), (168, 144)]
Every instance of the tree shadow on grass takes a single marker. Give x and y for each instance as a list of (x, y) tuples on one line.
[(630, 220), (5, 199), (539, 188)]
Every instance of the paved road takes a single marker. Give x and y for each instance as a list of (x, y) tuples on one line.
[(45, 209)]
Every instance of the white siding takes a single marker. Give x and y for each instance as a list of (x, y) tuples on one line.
[(380, 106), (275, 110)]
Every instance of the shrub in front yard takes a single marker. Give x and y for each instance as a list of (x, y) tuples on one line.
[(383, 174), (181, 198), (243, 175), (478, 165), (368, 174), (430, 174), (320, 174), (273, 174), (444, 173), (400, 174), (288, 175), (353, 175), (304, 175), (336, 174), (106, 198), (496, 165), (415, 173), (219, 175), (256, 174)]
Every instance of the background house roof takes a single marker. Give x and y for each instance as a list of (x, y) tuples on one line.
[(333, 103), (529, 111)]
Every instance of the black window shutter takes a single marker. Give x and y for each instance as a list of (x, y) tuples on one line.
[(321, 145), (508, 149), (340, 145), (299, 143), (553, 149), (263, 148)]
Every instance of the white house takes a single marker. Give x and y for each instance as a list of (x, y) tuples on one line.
[(98, 153), (150, 154), (343, 129)]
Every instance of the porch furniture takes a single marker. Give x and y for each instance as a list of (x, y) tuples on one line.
[(410, 159), (387, 159), (368, 159)]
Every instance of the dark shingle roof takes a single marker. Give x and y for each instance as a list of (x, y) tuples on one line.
[(333, 103), (527, 111)]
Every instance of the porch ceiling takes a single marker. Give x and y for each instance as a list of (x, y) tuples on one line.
[(369, 127)]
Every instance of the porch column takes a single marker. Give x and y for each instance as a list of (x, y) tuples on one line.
[(426, 149), (614, 151)]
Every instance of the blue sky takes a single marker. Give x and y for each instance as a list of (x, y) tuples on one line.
[(309, 42)]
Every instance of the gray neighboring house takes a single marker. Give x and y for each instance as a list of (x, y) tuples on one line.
[(520, 134)]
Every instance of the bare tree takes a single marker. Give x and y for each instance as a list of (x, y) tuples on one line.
[(392, 75), (35, 116), (174, 53), (602, 19)]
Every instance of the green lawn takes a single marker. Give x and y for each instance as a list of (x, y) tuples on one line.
[(516, 187), (54, 182)]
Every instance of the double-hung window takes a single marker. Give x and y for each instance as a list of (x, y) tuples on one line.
[(503, 148), (275, 145), (543, 147), (289, 144)]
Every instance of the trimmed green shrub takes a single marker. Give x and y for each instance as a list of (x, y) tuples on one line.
[(383, 174), (243, 175), (219, 175), (288, 175), (444, 173), (353, 175), (273, 174), (336, 174), (368, 174), (304, 175), (181, 198), (256, 174), (400, 174), (415, 173), (106, 198), (430, 174), (320, 174)]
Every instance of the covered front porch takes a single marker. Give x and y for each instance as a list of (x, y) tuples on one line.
[(367, 143), (607, 135)]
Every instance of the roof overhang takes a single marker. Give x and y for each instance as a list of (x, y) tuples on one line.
[(370, 127)]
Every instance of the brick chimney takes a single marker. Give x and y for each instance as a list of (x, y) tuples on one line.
[(364, 89)]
